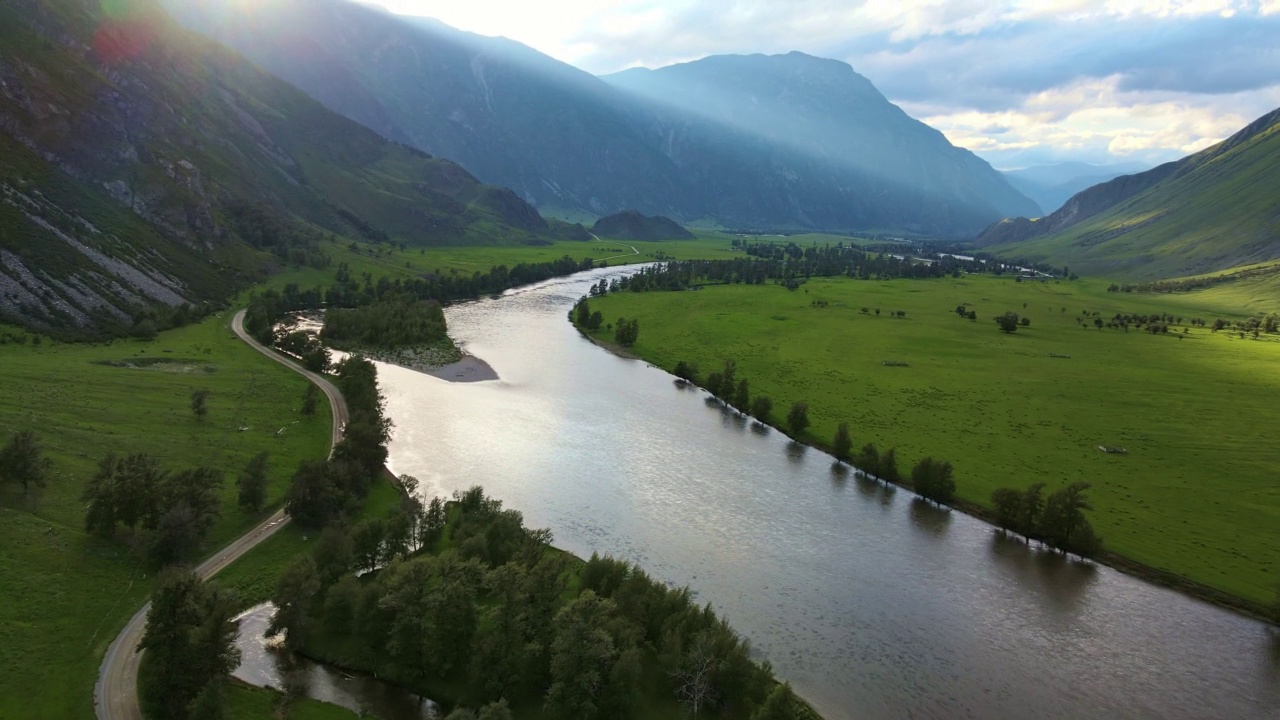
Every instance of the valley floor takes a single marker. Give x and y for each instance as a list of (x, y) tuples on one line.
[(1195, 495)]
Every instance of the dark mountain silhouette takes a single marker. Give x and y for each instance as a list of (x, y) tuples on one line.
[(575, 144)]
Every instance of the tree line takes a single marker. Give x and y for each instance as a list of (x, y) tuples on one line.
[(1057, 521), (479, 612), (347, 291)]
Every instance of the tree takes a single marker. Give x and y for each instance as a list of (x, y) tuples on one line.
[(189, 644), (1030, 511), (627, 332), (842, 443), (695, 677), (1024, 322), (252, 483), (889, 465), (1064, 524), (1006, 502), (869, 460), (798, 418), (210, 703), (934, 480), (582, 654), (310, 398), (316, 358), (125, 491), (781, 704), (761, 406), (1008, 322), (742, 396), (314, 499), (728, 376), (583, 313), (295, 591), (686, 371), (200, 402), (22, 461)]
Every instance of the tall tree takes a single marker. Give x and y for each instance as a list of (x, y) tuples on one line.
[(295, 591), (189, 643), (582, 654), (798, 418), (781, 704), (252, 483), (934, 480), (889, 465), (842, 443), (869, 460), (310, 399), (742, 396), (22, 461), (1008, 322), (1005, 502), (1064, 523), (1030, 511), (761, 406)]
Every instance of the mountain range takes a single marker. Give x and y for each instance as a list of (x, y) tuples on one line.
[(765, 142), (1052, 185), (144, 168), (1213, 210)]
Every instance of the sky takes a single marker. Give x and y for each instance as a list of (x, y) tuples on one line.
[(1019, 83)]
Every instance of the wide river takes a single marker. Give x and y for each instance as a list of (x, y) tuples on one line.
[(871, 604)]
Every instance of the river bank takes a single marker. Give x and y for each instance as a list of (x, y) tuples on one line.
[(1129, 566)]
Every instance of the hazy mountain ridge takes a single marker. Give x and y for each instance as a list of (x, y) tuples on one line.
[(1051, 186), (568, 141), (1213, 210), (137, 156)]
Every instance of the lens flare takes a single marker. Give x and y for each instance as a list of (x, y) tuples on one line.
[(125, 33)]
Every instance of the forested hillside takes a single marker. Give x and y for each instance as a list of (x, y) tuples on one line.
[(145, 170)]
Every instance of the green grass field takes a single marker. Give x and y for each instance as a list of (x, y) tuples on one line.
[(64, 595), (1195, 495)]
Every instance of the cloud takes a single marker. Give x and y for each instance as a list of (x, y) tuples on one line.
[(1098, 121)]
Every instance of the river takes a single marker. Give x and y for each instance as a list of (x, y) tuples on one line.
[(872, 604)]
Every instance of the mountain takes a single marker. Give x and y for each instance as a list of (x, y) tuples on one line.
[(1209, 211), (144, 167), (631, 225), (1052, 185), (571, 143), (822, 113)]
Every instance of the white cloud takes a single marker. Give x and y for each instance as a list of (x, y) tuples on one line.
[(1095, 121)]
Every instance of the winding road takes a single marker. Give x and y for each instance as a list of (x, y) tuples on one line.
[(115, 695)]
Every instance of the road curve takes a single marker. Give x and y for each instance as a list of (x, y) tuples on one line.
[(115, 695)]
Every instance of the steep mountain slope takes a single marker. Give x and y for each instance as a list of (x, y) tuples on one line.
[(569, 142), (1210, 211), (1050, 186), (822, 110), (136, 156), (631, 225)]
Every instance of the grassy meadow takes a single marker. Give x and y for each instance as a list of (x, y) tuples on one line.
[(1195, 495), (65, 595)]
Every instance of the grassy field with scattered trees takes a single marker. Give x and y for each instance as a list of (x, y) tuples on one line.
[(67, 591), (924, 366)]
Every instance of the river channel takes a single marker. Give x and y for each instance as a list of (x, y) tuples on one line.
[(871, 604)]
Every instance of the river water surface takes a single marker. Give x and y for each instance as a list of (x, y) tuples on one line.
[(871, 604)]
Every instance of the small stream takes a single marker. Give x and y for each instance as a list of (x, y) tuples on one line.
[(263, 663)]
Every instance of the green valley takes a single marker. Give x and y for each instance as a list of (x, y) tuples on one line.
[(1195, 493)]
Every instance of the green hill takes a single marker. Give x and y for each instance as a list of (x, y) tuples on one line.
[(143, 167), (631, 225), (1210, 211)]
